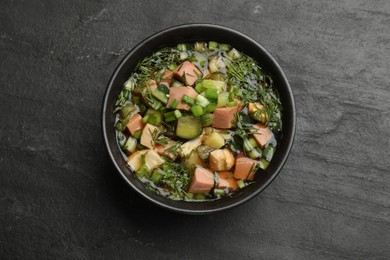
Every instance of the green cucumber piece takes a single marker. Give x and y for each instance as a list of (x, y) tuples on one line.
[(188, 127)]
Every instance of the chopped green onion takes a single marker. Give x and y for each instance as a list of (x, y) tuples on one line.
[(199, 87), (232, 104), (145, 119), (181, 47), (120, 126), (247, 145), (202, 101), (197, 110), (130, 144), (253, 142), (231, 96), (268, 152), (174, 103), (188, 100), (170, 119), (177, 113), (241, 184), (219, 192), (137, 134), (263, 164), (255, 153), (169, 114), (211, 94), (210, 108), (213, 45)]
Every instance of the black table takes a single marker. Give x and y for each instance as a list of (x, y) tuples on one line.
[(60, 196)]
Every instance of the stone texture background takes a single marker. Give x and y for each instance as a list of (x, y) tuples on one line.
[(60, 196)]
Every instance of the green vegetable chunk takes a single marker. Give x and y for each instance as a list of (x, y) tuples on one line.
[(188, 127)]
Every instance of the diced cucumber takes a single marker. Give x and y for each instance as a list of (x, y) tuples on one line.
[(188, 127), (263, 164), (201, 100), (130, 144), (160, 95), (268, 152), (216, 84)]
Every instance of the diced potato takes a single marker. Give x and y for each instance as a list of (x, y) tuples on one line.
[(153, 160), (149, 134), (215, 140), (135, 161), (221, 160)]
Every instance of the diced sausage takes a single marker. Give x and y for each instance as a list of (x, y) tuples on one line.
[(245, 168), (177, 93), (224, 117), (202, 181), (263, 135), (187, 73), (135, 123), (226, 181)]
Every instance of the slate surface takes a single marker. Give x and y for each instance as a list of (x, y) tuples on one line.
[(60, 196)]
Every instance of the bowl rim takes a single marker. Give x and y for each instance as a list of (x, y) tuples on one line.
[(288, 93)]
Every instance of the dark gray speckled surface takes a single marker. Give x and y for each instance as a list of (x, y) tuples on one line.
[(60, 196)]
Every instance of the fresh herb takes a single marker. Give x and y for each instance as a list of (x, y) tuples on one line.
[(176, 177), (255, 86), (154, 64), (162, 140), (174, 149)]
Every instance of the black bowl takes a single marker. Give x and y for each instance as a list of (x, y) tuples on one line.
[(192, 33)]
